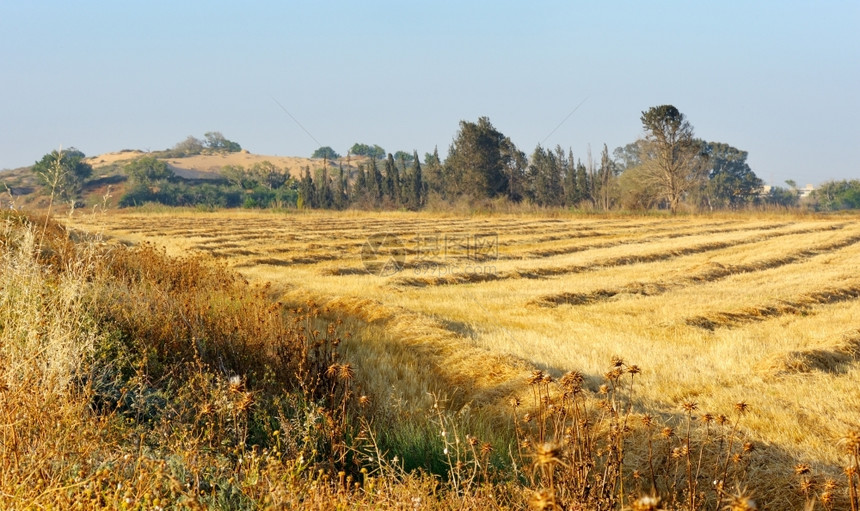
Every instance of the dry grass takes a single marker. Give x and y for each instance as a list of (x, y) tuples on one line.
[(716, 310)]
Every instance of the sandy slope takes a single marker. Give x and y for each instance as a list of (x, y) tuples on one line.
[(208, 165)]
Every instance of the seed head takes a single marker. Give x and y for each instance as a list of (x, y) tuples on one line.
[(851, 442), (647, 421), (647, 503), (536, 377), (486, 448), (542, 499), (801, 469), (572, 380), (742, 503), (332, 370), (617, 361), (346, 372), (634, 369), (246, 402), (667, 432), (548, 454), (235, 384), (690, 406), (741, 407)]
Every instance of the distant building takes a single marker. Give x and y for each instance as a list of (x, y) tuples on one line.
[(805, 191)]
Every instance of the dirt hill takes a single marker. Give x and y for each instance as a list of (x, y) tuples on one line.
[(20, 187)]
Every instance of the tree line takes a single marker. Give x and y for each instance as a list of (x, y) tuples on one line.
[(667, 168)]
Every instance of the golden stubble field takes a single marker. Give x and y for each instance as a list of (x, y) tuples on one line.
[(714, 309)]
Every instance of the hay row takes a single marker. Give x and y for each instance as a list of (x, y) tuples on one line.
[(802, 305), (712, 274), (538, 273)]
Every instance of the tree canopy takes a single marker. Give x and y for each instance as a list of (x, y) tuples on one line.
[(670, 155), (373, 151), (325, 152), (148, 170), (730, 181), (477, 160), (63, 172)]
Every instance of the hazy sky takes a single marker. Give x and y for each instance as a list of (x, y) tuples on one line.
[(778, 79)]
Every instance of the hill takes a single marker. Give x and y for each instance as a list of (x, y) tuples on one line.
[(21, 187)]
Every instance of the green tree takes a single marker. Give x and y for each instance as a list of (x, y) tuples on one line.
[(730, 181), (376, 183), (514, 168), (63, 173), (416, 192), (392, 187), (545, 178), (583, 184), (189, 147), (269, 175), (238, 176), (215, 141), (404, 157), (148, 170), (373, 151), (670, 156), (307, 191), (434, 176), (475, 164), (325, 152), (325, 195), (783, 197), (836, 195), (360, 192), (605, 185)]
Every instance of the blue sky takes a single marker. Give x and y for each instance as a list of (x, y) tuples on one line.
[(780, 80)]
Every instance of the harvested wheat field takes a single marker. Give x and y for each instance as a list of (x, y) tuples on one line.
[(716, 311)]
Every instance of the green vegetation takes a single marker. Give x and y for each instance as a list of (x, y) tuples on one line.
[(836, 195), (214, 142), (148, 171), (667, 169), (325, 152), (63, 173), (373, 151)]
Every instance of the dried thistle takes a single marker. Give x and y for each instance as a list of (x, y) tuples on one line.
[(235, 384), (246, 402), (801, 469), (543, 499), (486, 448), (647, 503), (346, 373), (536, 377), (647, 421)]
